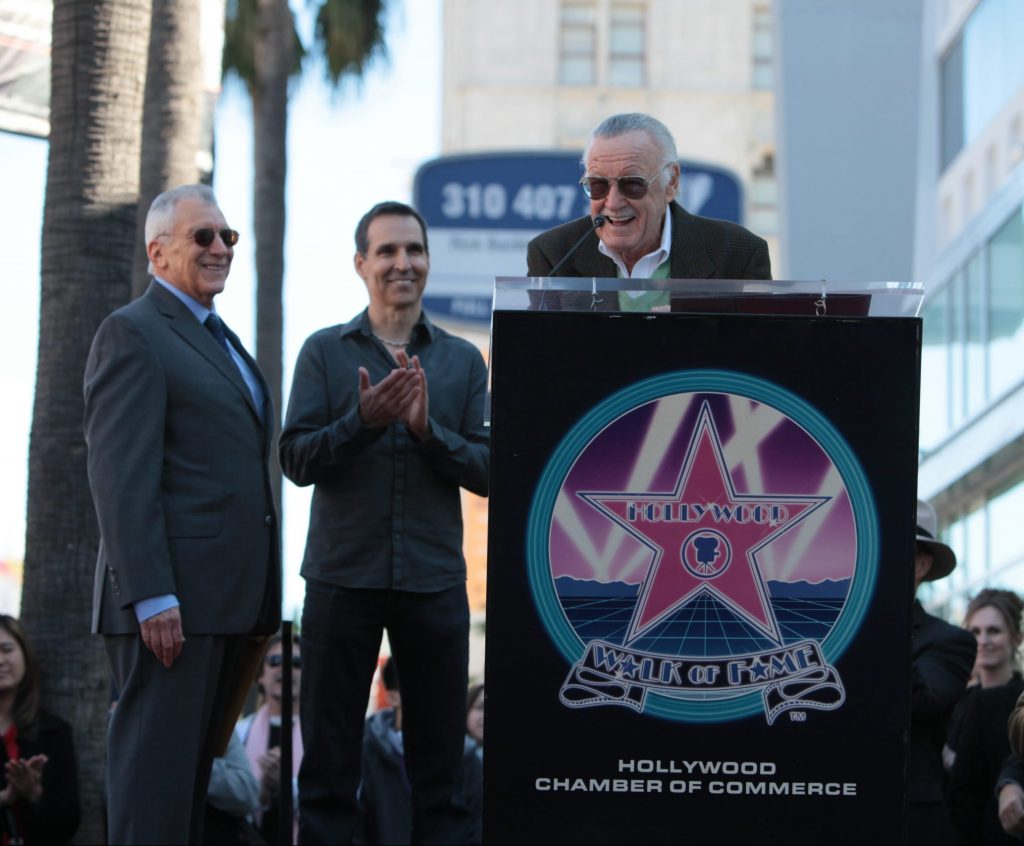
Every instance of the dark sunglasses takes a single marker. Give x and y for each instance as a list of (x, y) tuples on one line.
[(278, 660), (631, 187), (204, 237)]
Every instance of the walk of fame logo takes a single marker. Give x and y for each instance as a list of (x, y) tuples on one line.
[(702, 550)]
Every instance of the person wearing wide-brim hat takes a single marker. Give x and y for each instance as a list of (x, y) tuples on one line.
[(943, 656), (940, 559)]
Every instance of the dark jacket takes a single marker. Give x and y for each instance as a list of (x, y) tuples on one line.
[(702, 248), (178, 468), (385, 795), (981, 752), (55, 818), (943, 656)]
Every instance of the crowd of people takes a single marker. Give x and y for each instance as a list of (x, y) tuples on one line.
[(964, 784)]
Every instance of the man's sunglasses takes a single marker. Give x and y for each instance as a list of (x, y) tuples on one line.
[(204, 237), (631, 187), (278, 660)]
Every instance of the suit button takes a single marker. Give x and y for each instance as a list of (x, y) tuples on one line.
[(268, 520)]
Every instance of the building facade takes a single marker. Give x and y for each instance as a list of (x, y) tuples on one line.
[(969, 252), (523, 75)]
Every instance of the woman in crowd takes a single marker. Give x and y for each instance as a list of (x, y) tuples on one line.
[(260, 733), (39, 785), (994, 617)]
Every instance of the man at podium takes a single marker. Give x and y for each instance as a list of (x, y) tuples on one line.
[(631, 176)]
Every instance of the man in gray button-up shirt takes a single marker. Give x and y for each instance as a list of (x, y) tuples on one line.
[(385, 418)]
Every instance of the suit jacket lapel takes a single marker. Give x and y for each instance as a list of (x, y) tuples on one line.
[(688, 259), (268, 406), (184, 323), (591, 262)]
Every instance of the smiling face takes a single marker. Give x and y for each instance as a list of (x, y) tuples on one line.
[(996, 643), (12, 662), (396, 263), (632, 227), (197, 271)]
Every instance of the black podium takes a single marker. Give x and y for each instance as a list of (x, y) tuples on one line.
[(700, 558)]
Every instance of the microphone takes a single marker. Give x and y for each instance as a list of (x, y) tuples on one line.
[(599, 221)]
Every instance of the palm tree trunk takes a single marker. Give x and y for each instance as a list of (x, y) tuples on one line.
[(171, 117), (98, 73), (274, 46)]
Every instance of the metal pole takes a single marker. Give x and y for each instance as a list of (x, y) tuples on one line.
[(286, 817)]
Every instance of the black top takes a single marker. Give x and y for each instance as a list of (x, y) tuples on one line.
[(981, 752), (54, 819), (386, 510)]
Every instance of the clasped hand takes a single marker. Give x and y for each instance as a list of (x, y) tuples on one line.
[(399, 396)]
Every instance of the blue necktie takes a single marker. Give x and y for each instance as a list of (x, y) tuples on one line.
[(215, 327)]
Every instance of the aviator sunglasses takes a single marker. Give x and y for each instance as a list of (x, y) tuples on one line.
[(631, 187), (204, 237)]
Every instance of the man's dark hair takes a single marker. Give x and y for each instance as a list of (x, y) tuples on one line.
[(389, 674), (387, 207)]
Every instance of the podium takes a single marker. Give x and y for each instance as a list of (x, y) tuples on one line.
[(701, 538)]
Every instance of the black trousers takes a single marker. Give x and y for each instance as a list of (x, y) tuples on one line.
[(168, 726), (341, 636)]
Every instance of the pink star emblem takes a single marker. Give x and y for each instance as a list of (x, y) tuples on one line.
[(705, 537)]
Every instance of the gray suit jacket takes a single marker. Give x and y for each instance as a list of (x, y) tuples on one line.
[(702, 248), (177, 461)]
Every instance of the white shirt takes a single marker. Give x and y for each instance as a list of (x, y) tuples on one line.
[(646, 266)]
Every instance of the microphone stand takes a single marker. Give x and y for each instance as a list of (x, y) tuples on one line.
[(599, 221)]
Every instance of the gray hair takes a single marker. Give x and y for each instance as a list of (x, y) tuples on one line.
[(616, 125), (160, 217)]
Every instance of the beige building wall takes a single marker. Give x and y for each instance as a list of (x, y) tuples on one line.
[(503, 89)]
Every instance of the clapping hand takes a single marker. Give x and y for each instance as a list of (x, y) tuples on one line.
[(24, 780)]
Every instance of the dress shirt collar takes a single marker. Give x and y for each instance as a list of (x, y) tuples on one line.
[(645, 267), (361, 323), (191, 303)]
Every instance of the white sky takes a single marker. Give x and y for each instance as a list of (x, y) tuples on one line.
[(346, 151)]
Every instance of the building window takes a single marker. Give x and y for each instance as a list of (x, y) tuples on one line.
[(973, 344), (578, 44), (1006, 305), (763, 52), (764, 196), (626, 38), (980, 73)]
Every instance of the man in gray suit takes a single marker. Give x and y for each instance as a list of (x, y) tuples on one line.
[(631, 178), (178, 424)]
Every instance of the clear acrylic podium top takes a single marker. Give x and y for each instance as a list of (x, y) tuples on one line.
[(714, 296)]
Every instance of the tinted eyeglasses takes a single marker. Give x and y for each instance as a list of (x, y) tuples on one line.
[(204, 237), (278, 660), (631, 187)]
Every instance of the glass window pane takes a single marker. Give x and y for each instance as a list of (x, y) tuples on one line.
[(764, 75), (578, 40), (576, 14), (935, 371), (1005, 513), (577, 71), (951, 83), (1006, 305), (957, 346), (626, 72), (974, 314), (627, 40)]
